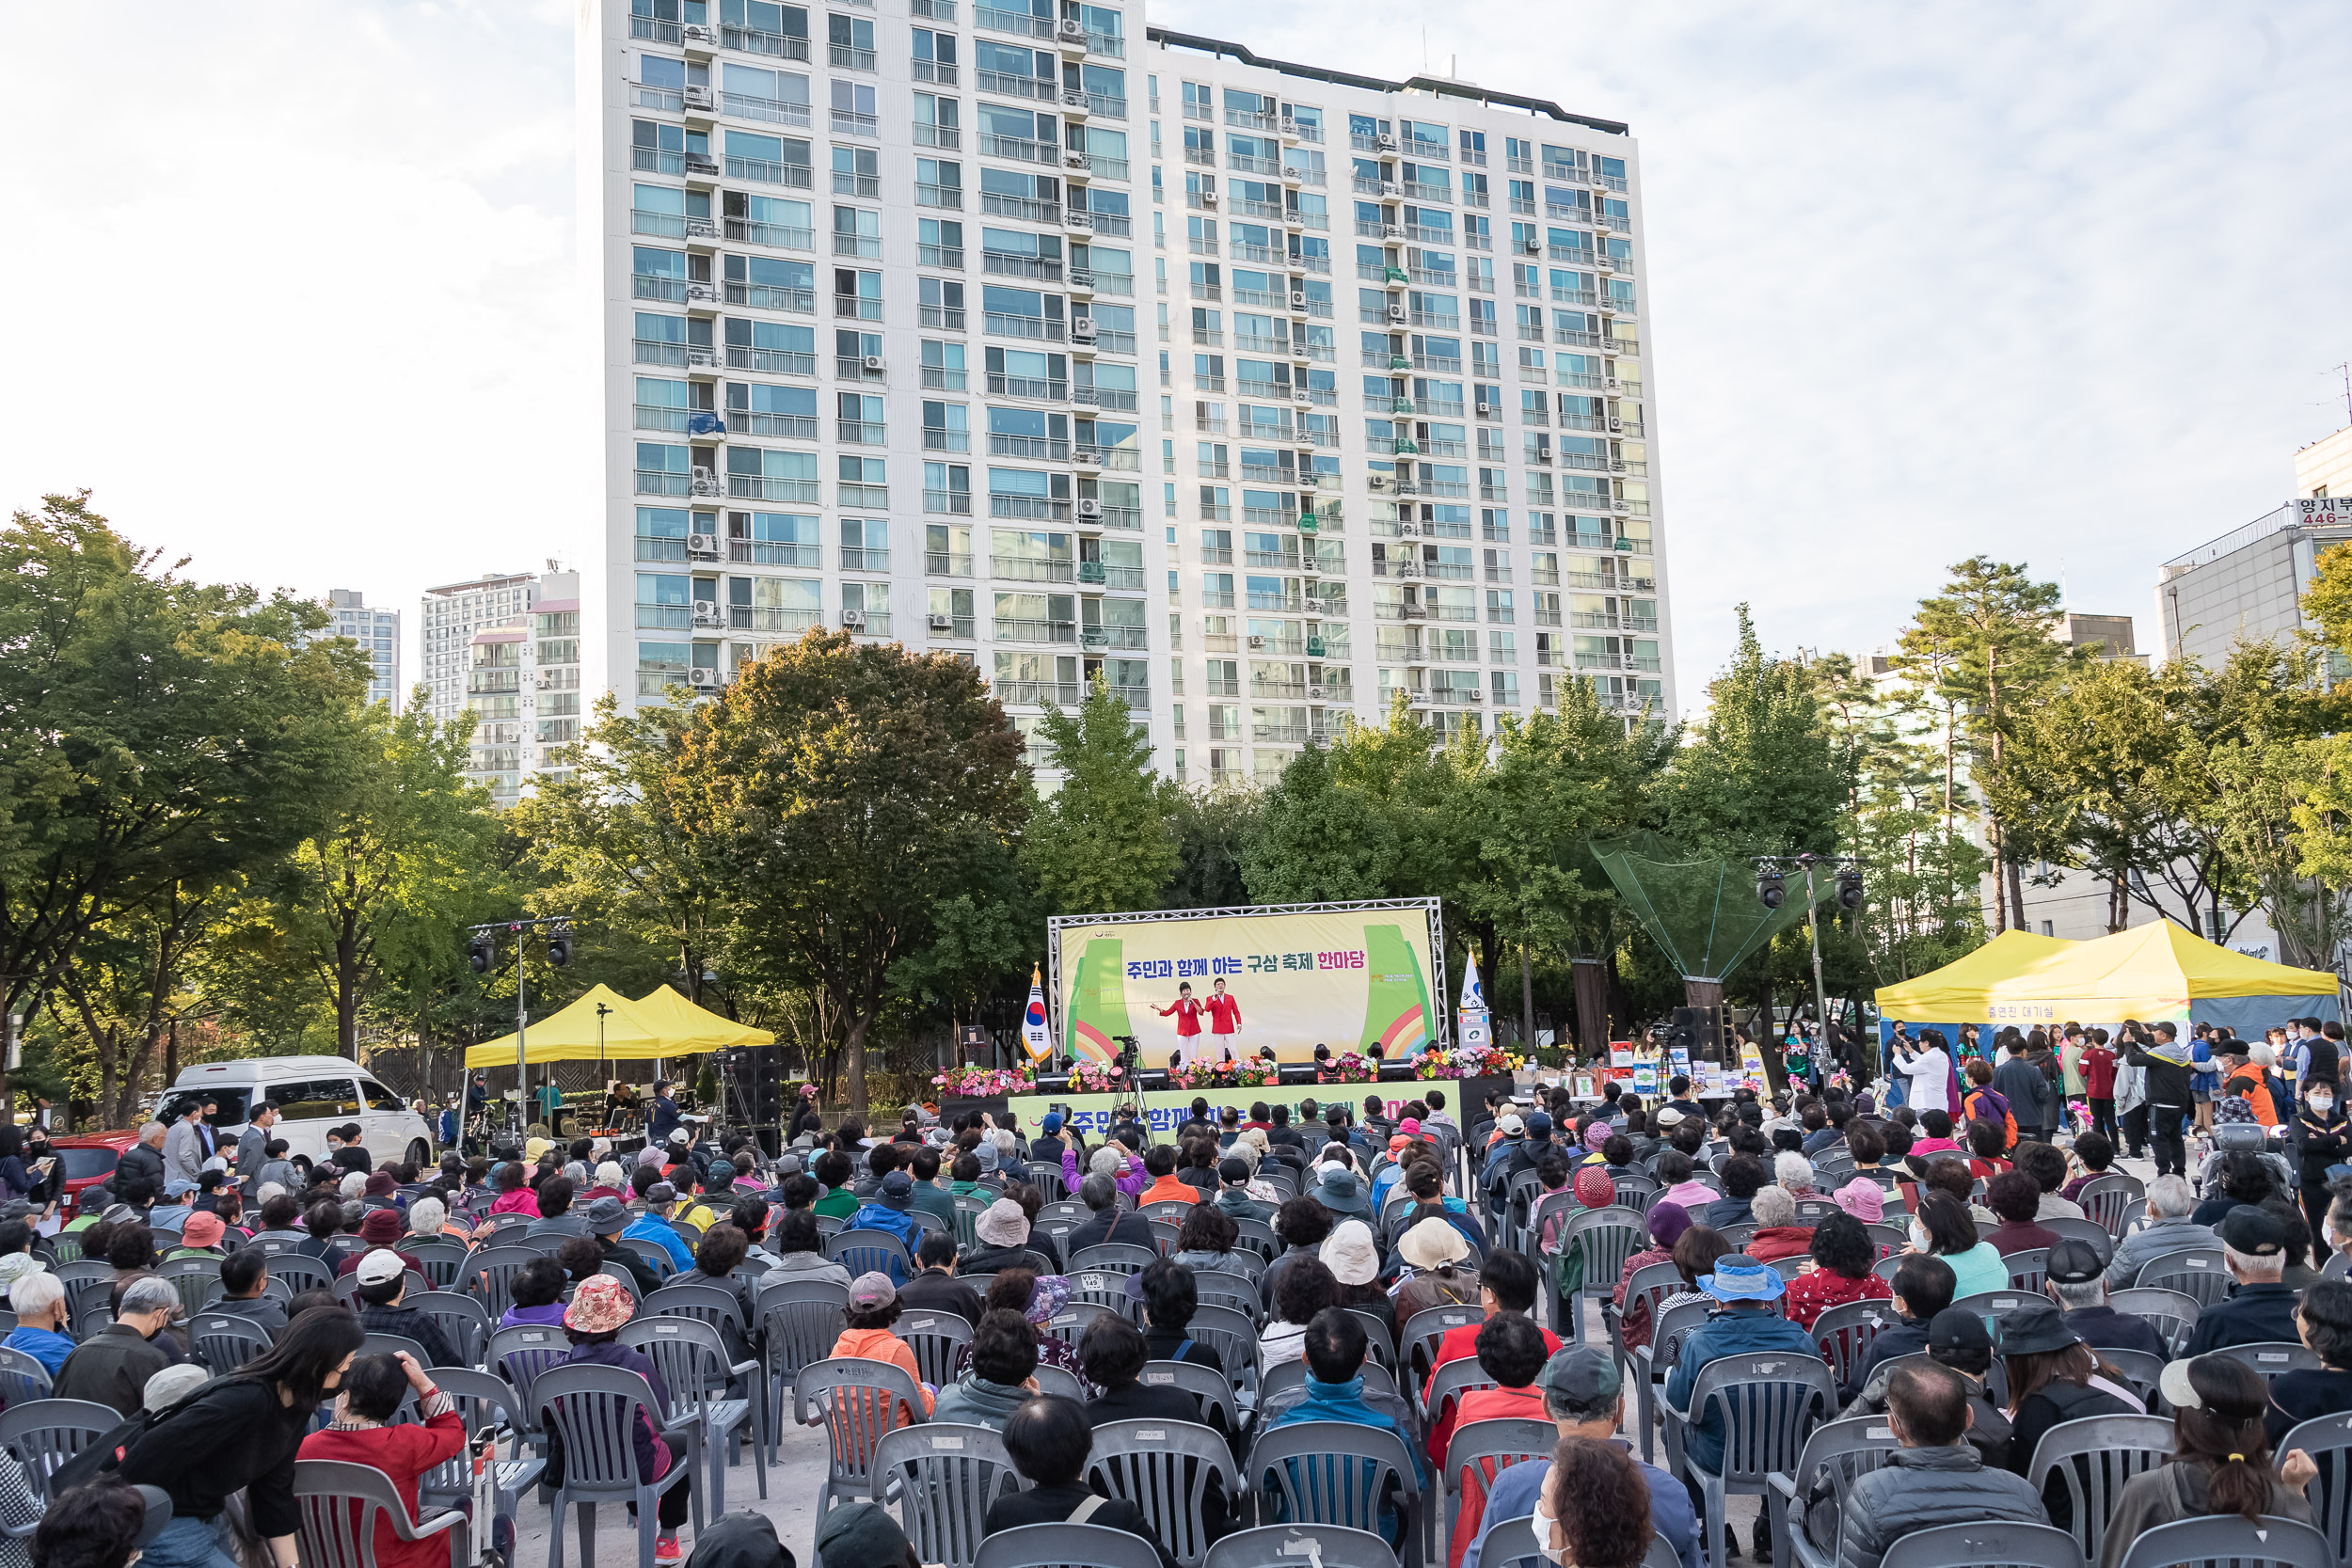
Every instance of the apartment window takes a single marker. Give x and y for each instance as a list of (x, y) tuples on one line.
[(856, 171), (849, 42)]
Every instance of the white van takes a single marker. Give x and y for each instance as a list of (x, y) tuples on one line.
[(311, 1094)]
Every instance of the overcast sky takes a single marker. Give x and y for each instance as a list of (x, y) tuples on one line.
[(292, 286)]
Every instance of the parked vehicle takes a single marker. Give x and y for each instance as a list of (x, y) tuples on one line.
[(312, 1094)]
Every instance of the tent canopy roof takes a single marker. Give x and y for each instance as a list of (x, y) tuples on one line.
[(2147, 969), (660, 1023)]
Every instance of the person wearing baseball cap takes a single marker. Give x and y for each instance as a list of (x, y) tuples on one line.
[(383, 1277), (1747, 1321), (873, 1311), (2261, 1308), (2076, 1280), (607, 1222), (1583, 1396)]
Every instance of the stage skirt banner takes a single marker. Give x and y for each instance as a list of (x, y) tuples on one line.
[(1165, 1110), (1345, 977)]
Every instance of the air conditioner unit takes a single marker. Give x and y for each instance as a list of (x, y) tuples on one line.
[(1074, 217), (1419, 699), (1074, 160), (702, 676), (943, 622), (701, 294), (872, 364), (699, 33), (1407, 569), (1389, 187), (700, 98), (1531, 248), (1409, 530), (1073, 98), (701, 358), (1385, 142), (854, 620), (1081, 329), (1257, 645), (1617, 465), (1290, 126), (1378, 482), (1396, 314), (1621, 506), (1208, 199), (708, 615), (1090, 507), (1616, 425), (1391, 231), (1486, 410), (1071, 30), (1299, 394), (1298, 299), (1609, 384), (702, 543)]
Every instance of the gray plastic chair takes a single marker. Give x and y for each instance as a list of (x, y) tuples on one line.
[(520, 1356), (942, 1477), (1845, 1333), (23, 1378), (1995, 1544), (857, 1402), (1379, 1347), (1336, 1473), (483, 1402), (872, 1252), (2141, 1371), (1502, 1443), (41, 1434), (2199, 1272), (2173, 1313), (2105, 1199), (1512, 1542), (2220, 1538), (801, 1320), (195, 1278), (1607, 1237), (489, 1277), (395, 1344), (1316, 1545), (1075, 1317), (1655, 1361), (337, 1506), (441, 1258), (1232, 1334), (1770, 1404), (2095, 1456), (2027, 1268), (1112, 1257), (2272, 1357), (1993, 1306), (2329, 1440), (301, 1272), (2083, 1231), (1061, 1380), (694, 1363), (1419, 1335), (462, 1320), (1219, 1407), (1842, 1452), (1165, 1467), (594, 1410), (1065, 1546), (223, 1342), (934, 1335)]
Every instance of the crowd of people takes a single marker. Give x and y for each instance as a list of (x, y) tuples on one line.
[(1325, 1228)]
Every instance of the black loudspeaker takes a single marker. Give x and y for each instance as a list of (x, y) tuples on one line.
[(1701, 1031)]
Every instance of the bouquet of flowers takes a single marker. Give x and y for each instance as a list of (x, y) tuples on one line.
[(1469, 1061), (980, 1083), (1243, 1072), (1347, 1067), (1089, 1077)]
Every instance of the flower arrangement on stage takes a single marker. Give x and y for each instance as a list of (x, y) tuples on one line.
[(981, 1083), (1346, 1066), (1468, 1061), (1091, 1077), (1244, 1072)]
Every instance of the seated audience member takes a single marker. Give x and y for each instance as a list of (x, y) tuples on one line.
[(1306, 1289), (1004, 1372), (1695, 1255), (1430, 1251), (2047, 1164), (383, 1291), (1511, 1350), (2220, 1457), (1843, 1270), (1958, 1339), (1777, 1233), (1114, 1355), (801, 1250), (39, 1302), (1002, 1239), (112, 1366), (243, 1274), (1048, 1439), (536, 1295), (1205, 1241), (1596, 1513), (1354, 1259), (2077, 1281), (1334, 1345), (2053, 1377), (364, 1432), (2261, 1308), (1943, 1228), (873, 1311), (1106, 1221), (2015, 1198), (102, 1524), (2246, 1178), (2324, 1321), (1666, 1221), (1584, 1397), (1746, 1320), (1302, 1223), (2094, 1153), (1934, 1478), (1743, 1177), (720, 1266), (935, 1288), (1034, 1298), (2168, 1229), (1170, 1298)]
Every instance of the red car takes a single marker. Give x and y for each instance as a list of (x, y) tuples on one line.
[(88, 1158)]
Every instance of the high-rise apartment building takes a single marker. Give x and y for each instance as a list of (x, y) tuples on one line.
[(1014, 333), (377, 634), (523, 688), (452, 614)]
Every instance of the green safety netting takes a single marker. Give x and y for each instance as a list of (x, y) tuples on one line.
[(1702, 911)]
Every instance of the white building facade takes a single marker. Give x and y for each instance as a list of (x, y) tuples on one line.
[(1260, 390), (450, 614), (524, 690), (377, 633)]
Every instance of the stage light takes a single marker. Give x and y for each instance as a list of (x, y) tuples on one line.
[(481, 953), (1769, 890), (1849, 889)]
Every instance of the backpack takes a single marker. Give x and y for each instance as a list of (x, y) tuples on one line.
[(1978, 1098), (105, 1456)]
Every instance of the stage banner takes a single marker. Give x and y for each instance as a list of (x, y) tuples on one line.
[(1345, 977)]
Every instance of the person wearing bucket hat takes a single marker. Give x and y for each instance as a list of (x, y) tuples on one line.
[(1002, 1233), (380, 1227), (1338, 1190), (1745, 1322), (600, 1308), (1430, 1249), (2077, 1281), (200, 1238)]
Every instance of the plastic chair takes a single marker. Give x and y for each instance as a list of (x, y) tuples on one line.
[(2083, 1231), (462, 1320), (1449, 1383), (872, 1252), (715, 1305), (1112, 1257), (1103, 1288), (2096, 1456), (300, 1271), (483, 1402), (23, 1378), (1844, 1452), (1233, 1334), (1649, 1285), (2329, 1440), (934, 1335), (1045, 1177), (942, 1477), (1770, 1404), (2229, 1538), (1476, 1452), (395, 1344), (337, 1506), (489, 1277), (801, 1320), (195, 1278), (1315, 1545), (1419, 1335), (595, 1411), (1511, 1543), (1655, 1361), (222, 1341), (1606, 1237), (693, 1360), (1165, 1468), (1075, 1317), (1061, 1380), (41, 1434), (1231, 1292), (2103, 1199), (2173, 1313), (1379, 1347), (2141, 1370), (1992, 1306), (1065, 1546), (1995, 1544), (1219, 1408), (858, 1402), (1335, 1473), (654, 1256), (1845, 1333), (1164, 1235), (441, 1258), (520, 1355), (2028, 1268), (2199, 1272), (2272, 1357)]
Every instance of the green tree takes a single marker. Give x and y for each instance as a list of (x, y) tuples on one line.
[(844, 790), (1985, 648), (1318, 842), (1763, 774), (1214, 830), (159, 738), (1105, 840)]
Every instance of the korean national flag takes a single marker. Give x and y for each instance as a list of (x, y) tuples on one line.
[(1033, 1034)]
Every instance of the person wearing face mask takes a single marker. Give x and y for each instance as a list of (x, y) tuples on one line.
[(2323, 1137)]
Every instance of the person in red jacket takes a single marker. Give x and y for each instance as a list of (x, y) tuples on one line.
[(2098, 1070), (1187, 1011), (359, 1435), (1224, 1013)]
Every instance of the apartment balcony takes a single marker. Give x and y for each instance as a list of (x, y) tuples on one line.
[(762, 171), (1020, 208), (760, 552), (1018, 24), (1018, 150), (864, 308), (1030, 508), (1011, 264), (1035, 449), (1034, 388), (775, 236)]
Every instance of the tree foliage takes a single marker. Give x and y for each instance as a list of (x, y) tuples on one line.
[(1106, 839)]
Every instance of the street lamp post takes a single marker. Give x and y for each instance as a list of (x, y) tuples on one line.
[(483, 951)]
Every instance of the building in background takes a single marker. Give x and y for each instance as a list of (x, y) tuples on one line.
[(1014, 334), (2248, 585), (2325, 467), (452, 614), (377, 634), (522, 687)]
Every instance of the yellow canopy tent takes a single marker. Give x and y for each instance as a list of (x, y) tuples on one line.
[(2158, 971), (570, 1034), (689, 1028)]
